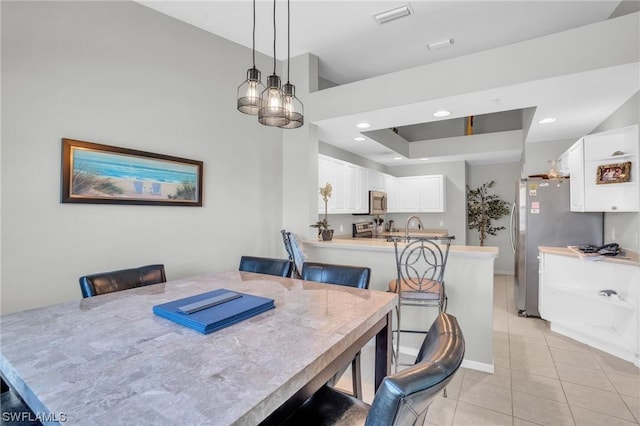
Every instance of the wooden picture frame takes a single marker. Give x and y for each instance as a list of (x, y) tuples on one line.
[(103, 174), (614, 173)]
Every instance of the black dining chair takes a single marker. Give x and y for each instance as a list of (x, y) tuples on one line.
[(124, 279), (402, 398), (345, 275), (265, 265)]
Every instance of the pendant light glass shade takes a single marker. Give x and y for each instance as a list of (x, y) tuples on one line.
[(294, 109), (272, 111), (249, 93)]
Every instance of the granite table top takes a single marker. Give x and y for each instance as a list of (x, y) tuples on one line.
[(109, 360)]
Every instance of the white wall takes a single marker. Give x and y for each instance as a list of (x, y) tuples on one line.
[(121, 74), (505, 176), (537, 155)]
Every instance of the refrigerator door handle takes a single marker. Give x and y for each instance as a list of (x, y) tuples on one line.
[(512, 227)]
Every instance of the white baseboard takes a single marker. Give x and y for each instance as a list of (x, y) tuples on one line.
[(472, 365), (480, 366)]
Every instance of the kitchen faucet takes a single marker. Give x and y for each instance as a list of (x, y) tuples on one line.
[(406, 226)]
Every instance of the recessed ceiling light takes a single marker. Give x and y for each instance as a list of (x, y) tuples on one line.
[(358, 139), (363, 125), (440, 44), (392, 15), (441, 113), (397, 158), (547, 120), (424, 159)]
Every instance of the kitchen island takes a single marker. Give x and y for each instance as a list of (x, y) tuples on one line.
[(469, 281)]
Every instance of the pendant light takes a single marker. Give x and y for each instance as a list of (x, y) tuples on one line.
[(292, 105), (272, 111), (249, 91)]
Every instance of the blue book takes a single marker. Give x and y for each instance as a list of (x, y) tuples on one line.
[(211, 311)]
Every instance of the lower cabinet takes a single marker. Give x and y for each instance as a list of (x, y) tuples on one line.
[(570, 299)]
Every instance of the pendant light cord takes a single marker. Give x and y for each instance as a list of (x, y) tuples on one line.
[(254, 33), (274, 37), (288, 37)]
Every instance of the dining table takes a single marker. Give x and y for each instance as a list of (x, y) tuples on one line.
[(110, 360)]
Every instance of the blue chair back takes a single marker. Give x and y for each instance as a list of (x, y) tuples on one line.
[(264, 265), (124, 279), (352, 276)]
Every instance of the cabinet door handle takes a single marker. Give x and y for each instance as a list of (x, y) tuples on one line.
[(512, 227)]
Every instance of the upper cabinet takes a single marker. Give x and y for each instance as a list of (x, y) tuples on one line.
[(424, 194), (391, 185), (352, 183), (376, 181), (575, 164), (603, 169), (349, 194)]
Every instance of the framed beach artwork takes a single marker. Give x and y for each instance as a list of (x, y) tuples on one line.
[(103, 174)]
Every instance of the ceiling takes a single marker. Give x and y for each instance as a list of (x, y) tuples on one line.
[(352, 46)]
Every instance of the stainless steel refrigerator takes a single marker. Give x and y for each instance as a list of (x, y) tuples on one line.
[(541, 216)]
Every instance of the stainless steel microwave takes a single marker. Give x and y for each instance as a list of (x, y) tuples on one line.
[(377, 202)]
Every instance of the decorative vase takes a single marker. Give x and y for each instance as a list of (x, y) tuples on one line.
[(327, 234)]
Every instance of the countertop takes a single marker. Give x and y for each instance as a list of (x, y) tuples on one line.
[(109, 360), (628, 258), (375, 244), (414, 232)]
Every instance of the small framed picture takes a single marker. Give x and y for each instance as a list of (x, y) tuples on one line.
[(614, 173)]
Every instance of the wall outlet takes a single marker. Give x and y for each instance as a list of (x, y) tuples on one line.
[(613, 234), (341, 228), (441, 223)]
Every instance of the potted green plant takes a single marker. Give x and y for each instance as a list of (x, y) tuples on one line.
[(323, 225), (483, 208)]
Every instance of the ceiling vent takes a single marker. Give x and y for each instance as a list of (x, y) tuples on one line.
[(393, 14)]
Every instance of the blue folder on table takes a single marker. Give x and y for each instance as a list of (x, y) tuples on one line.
[(213, 310)]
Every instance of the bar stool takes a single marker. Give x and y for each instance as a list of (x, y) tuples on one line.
[(420, 280)]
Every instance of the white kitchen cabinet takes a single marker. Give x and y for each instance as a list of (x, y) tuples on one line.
[(594, 151), (375, 181), (361, 194), (424, 194), (432, 194), (326, 173), (569, 298), (349, 194), (575, 156), (409, 194), (598, 152), (393, 203)]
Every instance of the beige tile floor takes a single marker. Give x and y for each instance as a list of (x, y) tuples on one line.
[(541, 378)]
